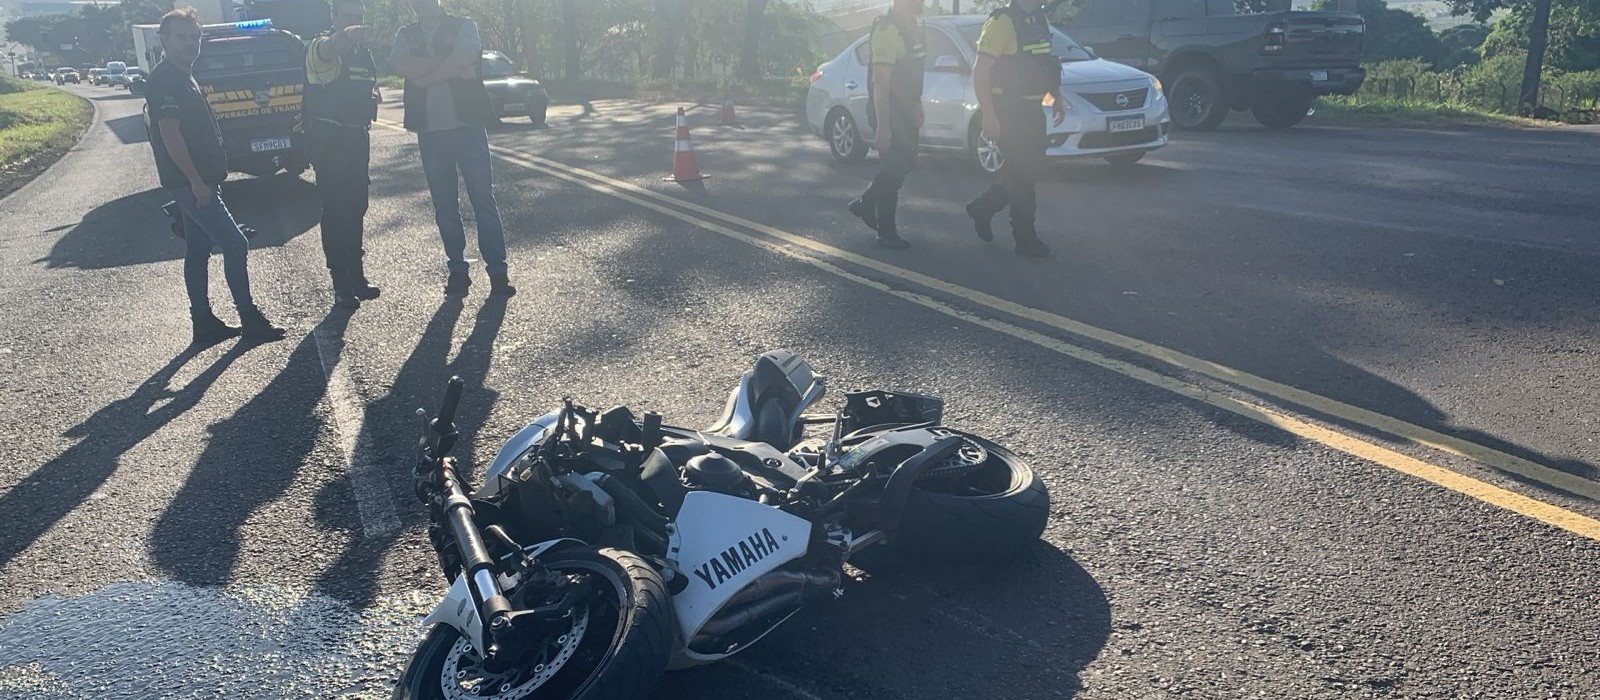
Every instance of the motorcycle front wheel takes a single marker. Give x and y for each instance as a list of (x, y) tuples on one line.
[(616, 646)]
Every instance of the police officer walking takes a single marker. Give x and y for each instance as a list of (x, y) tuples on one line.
[(1015, 73), (895, 83), (341, 103)]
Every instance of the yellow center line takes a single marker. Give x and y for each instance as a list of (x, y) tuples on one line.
[(821, 255)]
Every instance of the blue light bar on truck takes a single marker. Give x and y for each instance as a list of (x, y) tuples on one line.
[(251, 25)]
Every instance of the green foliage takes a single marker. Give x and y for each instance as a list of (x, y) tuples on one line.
[(1491, 86), (35, 119), (1574, 37), (98, 33)]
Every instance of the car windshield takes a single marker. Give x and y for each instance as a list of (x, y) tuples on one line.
[(1060, 44), (497, 66)]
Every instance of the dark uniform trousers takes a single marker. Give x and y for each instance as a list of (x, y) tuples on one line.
[(894, 165), (341, 155), (1023, 140)]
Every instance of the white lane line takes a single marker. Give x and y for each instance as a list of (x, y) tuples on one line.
[(373, 499)]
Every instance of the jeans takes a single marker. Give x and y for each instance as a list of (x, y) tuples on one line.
[(464, 151), (203, 227), (894, 165), (341, 156), (1023, 140)]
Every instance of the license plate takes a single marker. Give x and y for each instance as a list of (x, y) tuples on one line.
[(1117, 125), (264, 145), (514, 107), (1319, 76)]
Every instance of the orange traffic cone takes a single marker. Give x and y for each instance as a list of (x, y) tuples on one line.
[(684, 167), (728, 117)]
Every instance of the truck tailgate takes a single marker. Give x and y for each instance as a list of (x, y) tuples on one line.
[(1320, 40)]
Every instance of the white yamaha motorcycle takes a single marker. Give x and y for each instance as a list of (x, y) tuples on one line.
[(604, 549)]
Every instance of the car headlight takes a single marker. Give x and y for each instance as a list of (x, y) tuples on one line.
[(1155, 83)]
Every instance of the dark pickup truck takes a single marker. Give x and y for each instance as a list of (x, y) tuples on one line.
[(1212, 57)]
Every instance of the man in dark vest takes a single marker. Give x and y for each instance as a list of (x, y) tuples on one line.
[(341, 102), (192, 165), (1015, 73), (446, 104), (897, 52)]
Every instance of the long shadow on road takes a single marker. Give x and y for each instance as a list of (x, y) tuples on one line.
[(389, 428), (250, 461), (133, 231), (60, 485)]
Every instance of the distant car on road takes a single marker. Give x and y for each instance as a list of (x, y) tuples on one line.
[(97, 76), (68, 75), (1114, 112), (116, 74), (513, 94)]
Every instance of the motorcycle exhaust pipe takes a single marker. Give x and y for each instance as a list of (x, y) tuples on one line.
[(784, 590)]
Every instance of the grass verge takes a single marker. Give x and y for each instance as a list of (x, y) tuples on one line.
[(1407, 113), (38, 124)]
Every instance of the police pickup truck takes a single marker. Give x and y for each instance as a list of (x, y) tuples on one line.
[(1213, 57)]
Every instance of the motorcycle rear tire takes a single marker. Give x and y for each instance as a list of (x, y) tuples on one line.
[(638, 650), (968, 529)]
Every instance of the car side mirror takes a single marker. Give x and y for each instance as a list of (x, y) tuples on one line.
[(950, 64)]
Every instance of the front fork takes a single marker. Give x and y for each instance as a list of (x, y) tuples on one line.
[(441, 488)]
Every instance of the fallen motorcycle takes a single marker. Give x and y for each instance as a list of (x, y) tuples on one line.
[(604, 548)]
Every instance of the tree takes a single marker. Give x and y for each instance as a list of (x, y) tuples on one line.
[(1538, 38), (749, 54)]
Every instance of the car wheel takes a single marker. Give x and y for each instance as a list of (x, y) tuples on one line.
[(1125, 160), (538, 114), (1282, 112), (984, 151), (1197, 100), (844, 137)]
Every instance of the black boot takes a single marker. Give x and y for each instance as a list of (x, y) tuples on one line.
[(209, 330), (1029, 246), (457, 285), (888, 231), (257, 329), (865, 210), (982, 221), (344, 294), (360, 286), (500, 285)]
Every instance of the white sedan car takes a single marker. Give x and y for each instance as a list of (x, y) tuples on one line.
[(1114, 111)]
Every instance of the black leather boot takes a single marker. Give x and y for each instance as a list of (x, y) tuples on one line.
[(210, 330), (256, 327)]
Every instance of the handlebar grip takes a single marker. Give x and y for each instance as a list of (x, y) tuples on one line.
[(452, 398)]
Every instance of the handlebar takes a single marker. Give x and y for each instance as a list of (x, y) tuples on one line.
[(452, 398)]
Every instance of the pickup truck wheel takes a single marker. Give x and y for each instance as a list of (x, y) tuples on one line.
[(1281, 112), (1197, 100)]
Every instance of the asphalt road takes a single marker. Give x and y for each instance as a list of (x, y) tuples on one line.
[(237, 523)]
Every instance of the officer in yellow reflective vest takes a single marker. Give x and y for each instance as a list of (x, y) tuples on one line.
[(1016, 73), (896, 96), (341, 102)]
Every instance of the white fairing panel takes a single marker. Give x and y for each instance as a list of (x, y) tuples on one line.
[(721, 544)]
